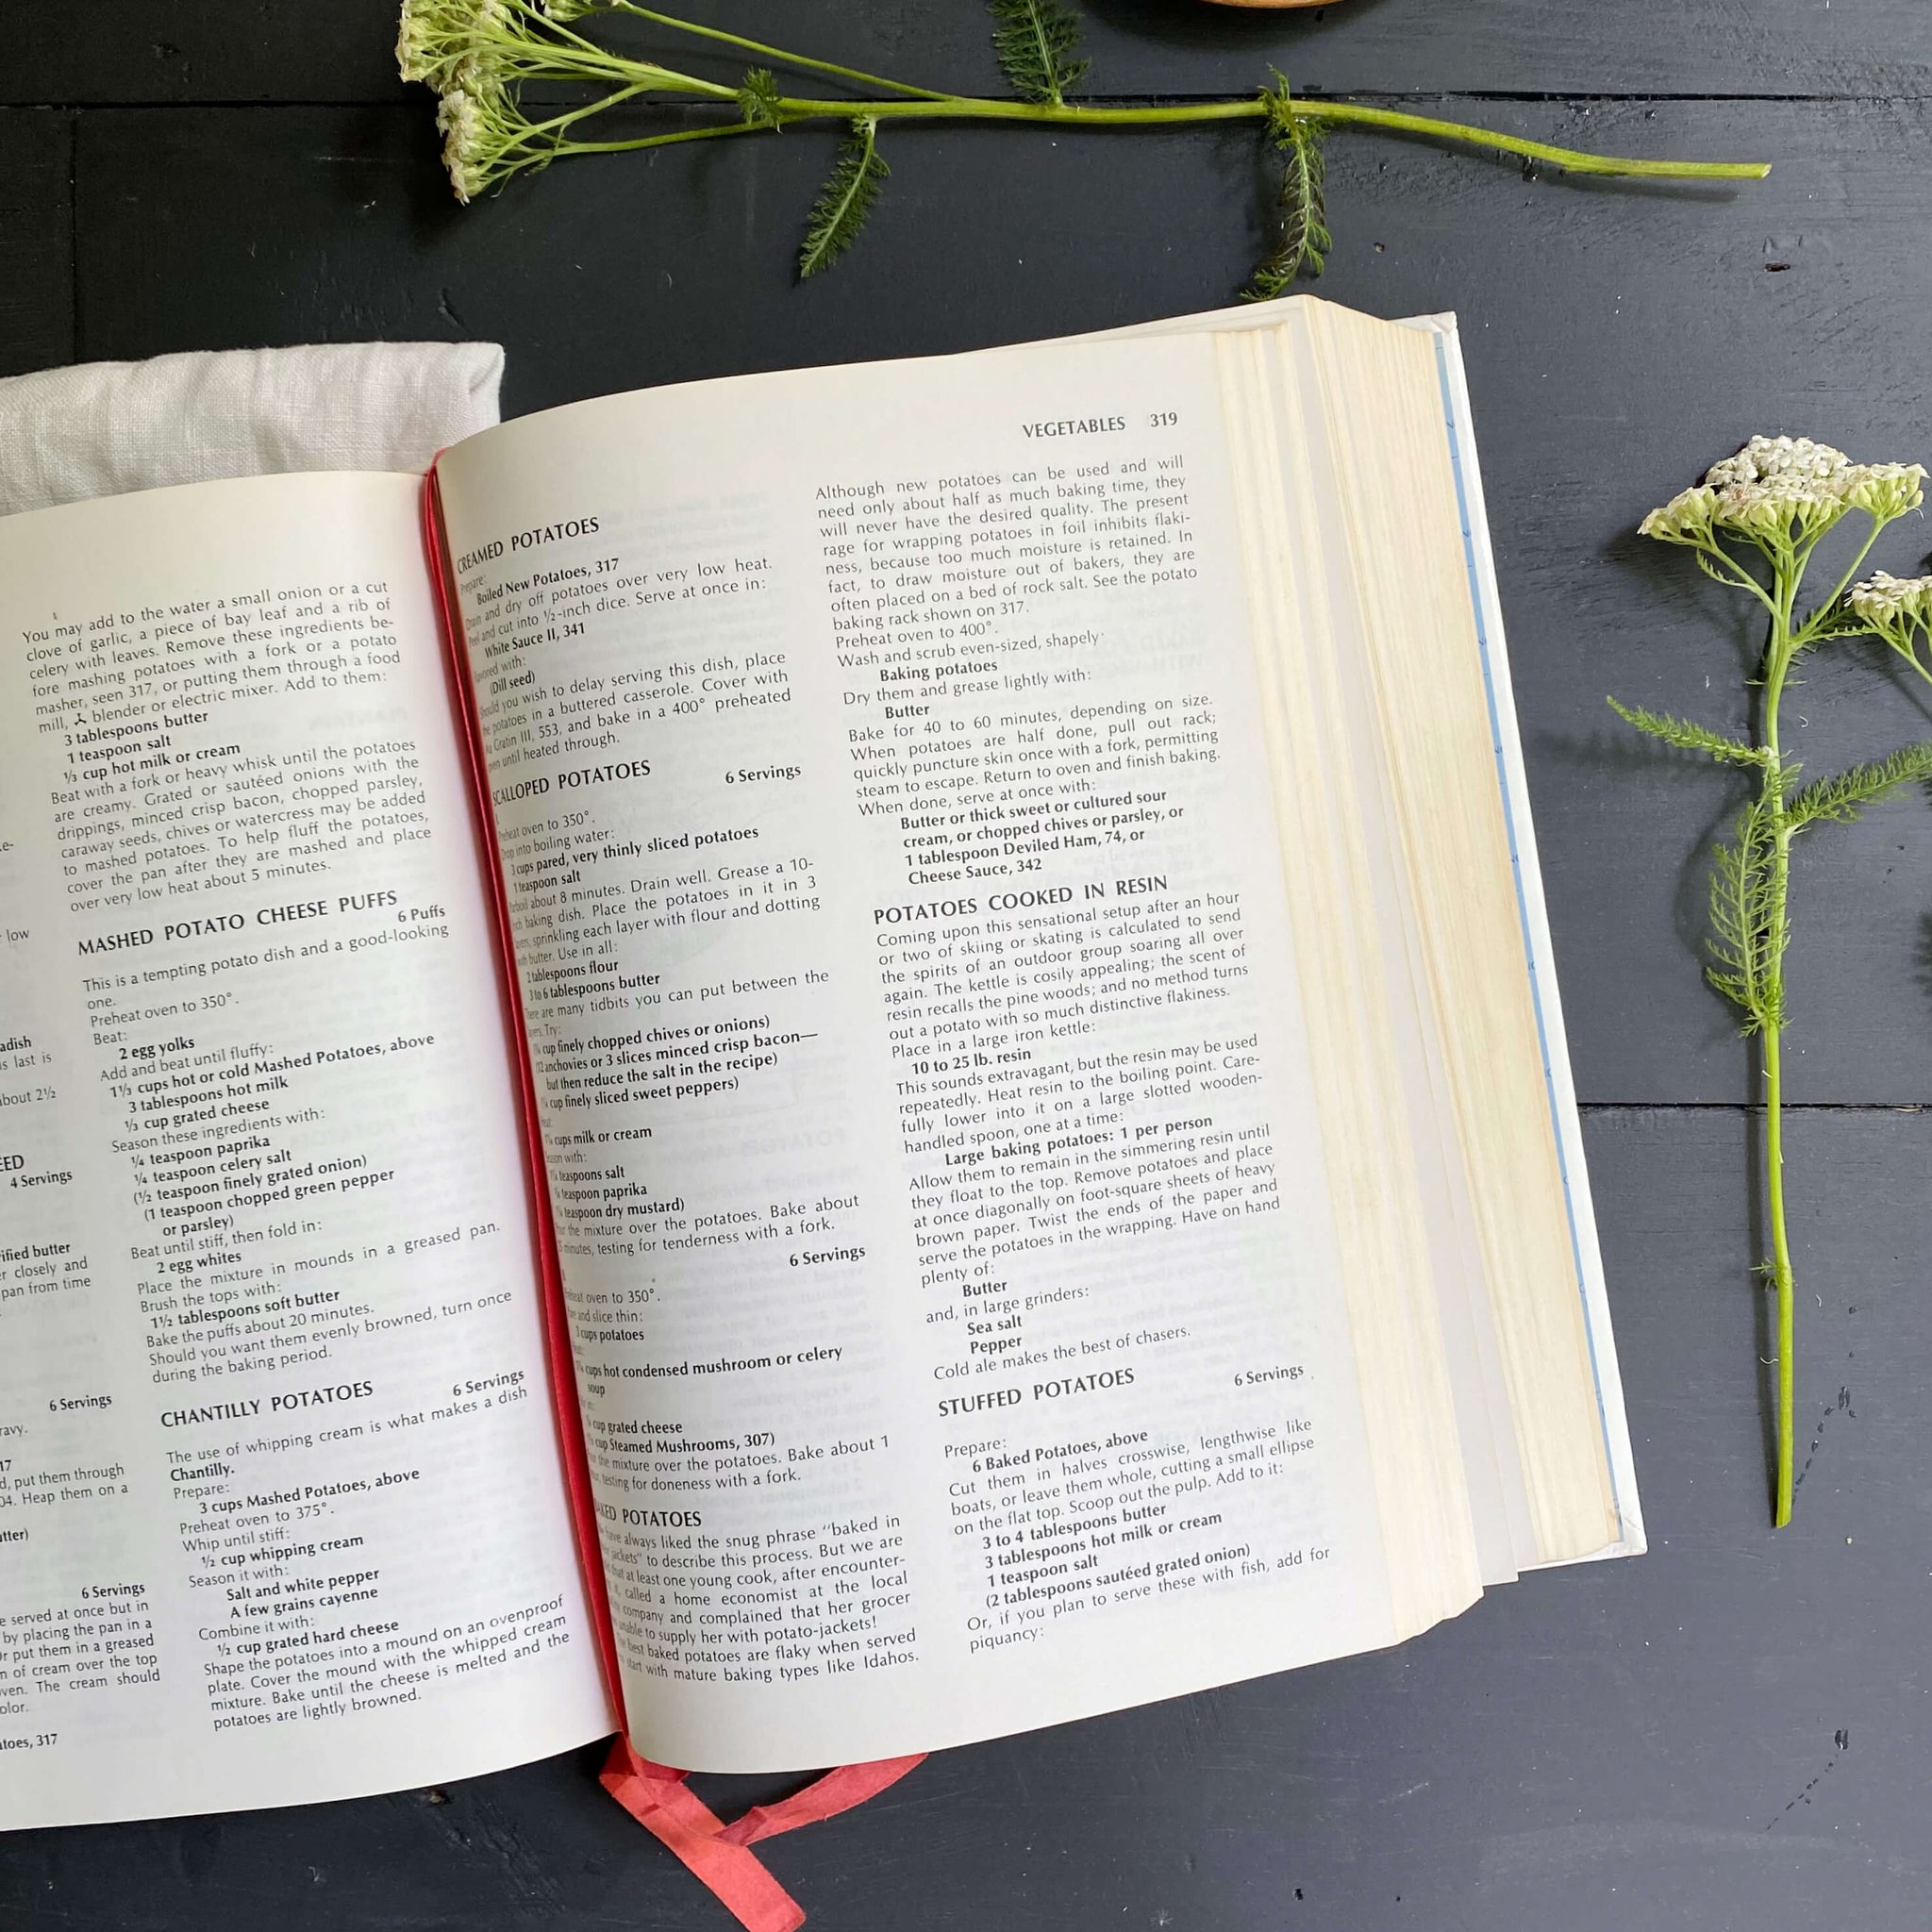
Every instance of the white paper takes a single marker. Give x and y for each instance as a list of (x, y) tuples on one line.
[(281, 1516)]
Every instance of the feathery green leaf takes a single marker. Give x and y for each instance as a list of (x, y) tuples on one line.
[(1687, 735), (1844, 797), (845, 200), (1036, 40), (1750, 926), (1835, 621), (758, 99), (1735, 578), (1300, 236)]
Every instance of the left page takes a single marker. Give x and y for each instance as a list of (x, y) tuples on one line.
[(282, 1516)]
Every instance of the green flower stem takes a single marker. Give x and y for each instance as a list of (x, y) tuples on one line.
[(1824, 612), (543, 134), (1571, 160), (1754, 523), (1788, 560), (561, 52), (927, 104), (1786, 639), (1773, 793), (1781, 1260), (1326, 113), (624, 147), (803, 62), (1045, 113)]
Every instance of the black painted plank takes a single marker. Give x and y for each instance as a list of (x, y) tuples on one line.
[(129, 51), (1618, 340), (1729, 1732), (123, 52), (35, 240)]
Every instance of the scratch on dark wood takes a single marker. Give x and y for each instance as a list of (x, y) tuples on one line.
[(1841, 1407), (1841, 1743)]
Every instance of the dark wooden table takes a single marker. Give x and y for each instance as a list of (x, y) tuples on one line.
[(1732, 1732)]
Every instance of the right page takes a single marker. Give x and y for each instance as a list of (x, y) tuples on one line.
[(1003, 1172)]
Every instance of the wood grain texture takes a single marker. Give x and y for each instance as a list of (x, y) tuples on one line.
[(1645, 1744), (132, 50), (37, 326)]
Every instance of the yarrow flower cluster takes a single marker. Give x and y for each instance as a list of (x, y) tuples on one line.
[(1783, 490), (1899, 609), (439, 40), (476, 54), (1884, 599), (458, 47), (464, 118)]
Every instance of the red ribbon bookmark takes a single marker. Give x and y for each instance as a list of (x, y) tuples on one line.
[(719, 1855)]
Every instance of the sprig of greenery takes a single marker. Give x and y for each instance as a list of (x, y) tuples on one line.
[(759, 100), (1036, 40), (1844, 798), (479, 55), (1750, 920), (1687, 735), (1753, 525), (845, 200), (1302, 240)]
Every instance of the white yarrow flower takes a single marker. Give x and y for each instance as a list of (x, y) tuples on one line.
[(459, 120), (1774, 482), (416, 42), (1885, 489), (437, 37), (1784, 488), (1686, 519), (1885, 601), (1778, 459)]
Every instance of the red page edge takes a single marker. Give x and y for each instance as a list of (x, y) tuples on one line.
[(555, 1318)]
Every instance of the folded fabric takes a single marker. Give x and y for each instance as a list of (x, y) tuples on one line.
[(103, 428)]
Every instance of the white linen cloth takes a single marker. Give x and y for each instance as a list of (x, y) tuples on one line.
[(103, 429)]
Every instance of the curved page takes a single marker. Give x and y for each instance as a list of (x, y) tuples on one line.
[(280, 1509)]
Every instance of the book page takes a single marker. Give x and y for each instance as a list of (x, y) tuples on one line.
[(280, 1497), (900, 924)]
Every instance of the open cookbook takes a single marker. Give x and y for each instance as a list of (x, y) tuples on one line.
[(821, 1065)]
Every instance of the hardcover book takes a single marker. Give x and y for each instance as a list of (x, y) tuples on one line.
[(817, 1066)]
